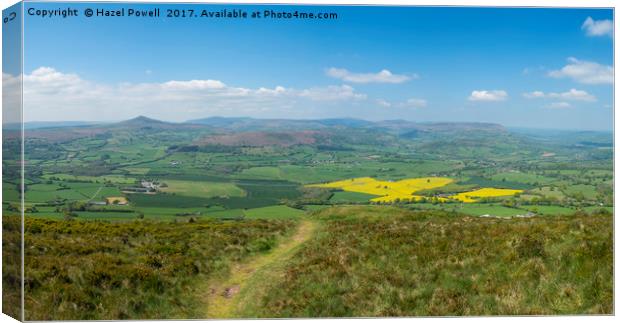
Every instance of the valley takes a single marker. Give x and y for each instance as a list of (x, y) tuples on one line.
[(210, 197), (224, 167)]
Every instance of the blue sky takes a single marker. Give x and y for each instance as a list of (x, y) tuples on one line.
[(541, 68)]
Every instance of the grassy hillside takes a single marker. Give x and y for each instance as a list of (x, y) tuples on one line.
[(374, 261), (82, 270), (11, 265)]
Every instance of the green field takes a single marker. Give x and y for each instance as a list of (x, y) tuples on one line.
[(228, 214), (9, 192), (201, 189), (549, 209), (342, 196), (167, 200), (587, 191), (73, 191), (547, 191), (266, 172), (519, 177)]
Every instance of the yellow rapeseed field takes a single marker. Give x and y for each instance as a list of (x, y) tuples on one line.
[(473, 196), (403, 190), (388, 191)]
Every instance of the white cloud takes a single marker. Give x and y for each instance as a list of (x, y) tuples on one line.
[(384, 103), (585, 72), (534, 94), (383, 76), (484, 95), (572, 94), (409, 103), (332, 93), (53, 95), (558, 105), (276, 91), (414, 103), (598, 27), (194, 85)]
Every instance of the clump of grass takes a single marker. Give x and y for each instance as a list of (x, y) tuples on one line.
[(82, 270), (394, 262)]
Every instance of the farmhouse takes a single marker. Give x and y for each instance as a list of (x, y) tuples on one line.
[(146, 186), (149, 185)]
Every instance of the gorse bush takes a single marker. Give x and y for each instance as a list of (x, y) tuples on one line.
[(372, 261), (78, 270)]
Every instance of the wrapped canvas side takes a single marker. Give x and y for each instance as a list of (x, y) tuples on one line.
[(12, 163)]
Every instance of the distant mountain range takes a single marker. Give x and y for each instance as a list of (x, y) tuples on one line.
[(49, 124), (281, 124), (326, 132), (252, 124), (252, 131)]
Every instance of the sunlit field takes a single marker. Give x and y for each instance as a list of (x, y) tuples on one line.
[(473, 196), (404, 190)]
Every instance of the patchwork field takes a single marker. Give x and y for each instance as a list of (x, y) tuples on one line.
[(390, 218), (202, 189), (547, 191)]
